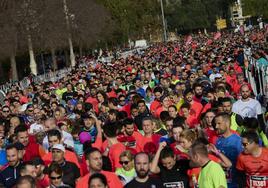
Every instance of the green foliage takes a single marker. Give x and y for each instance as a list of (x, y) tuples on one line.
[(187, 15), (255, 8), (133, 18)]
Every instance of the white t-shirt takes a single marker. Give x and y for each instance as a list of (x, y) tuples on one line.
[(67, 139), (250, 108)]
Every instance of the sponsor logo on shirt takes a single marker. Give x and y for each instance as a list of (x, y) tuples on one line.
[(179, 184)]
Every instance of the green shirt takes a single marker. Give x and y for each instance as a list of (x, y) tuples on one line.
[(212, 176)]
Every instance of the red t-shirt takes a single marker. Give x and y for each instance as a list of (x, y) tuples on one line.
[(256, 169), (114, 155), (112, 180)]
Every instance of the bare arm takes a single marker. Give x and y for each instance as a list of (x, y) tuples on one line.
[(154, 165)]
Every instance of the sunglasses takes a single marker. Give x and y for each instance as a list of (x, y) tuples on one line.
[(55, 178), (245, 144), (5, 111), (124, 162)]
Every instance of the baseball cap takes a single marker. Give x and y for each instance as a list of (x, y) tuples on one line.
[(58, 147), (218, 75)]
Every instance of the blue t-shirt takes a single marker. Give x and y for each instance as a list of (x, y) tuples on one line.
[(231, 147), (3, 157)]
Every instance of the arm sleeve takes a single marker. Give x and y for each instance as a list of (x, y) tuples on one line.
[(76, 171), (261, 122), (239, 120)]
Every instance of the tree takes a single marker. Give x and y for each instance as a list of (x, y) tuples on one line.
[(255, 8)]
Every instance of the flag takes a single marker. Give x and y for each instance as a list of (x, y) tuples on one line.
[(217, 35)]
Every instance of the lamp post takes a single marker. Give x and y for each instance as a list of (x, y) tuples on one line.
[(163, 20)]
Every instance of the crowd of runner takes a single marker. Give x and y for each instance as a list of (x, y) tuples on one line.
[(177, 115)]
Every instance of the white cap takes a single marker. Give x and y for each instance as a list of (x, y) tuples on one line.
[(218, 75), (36, 128), (59, 147)]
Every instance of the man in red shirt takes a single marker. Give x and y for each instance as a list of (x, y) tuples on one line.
[(158, 92), (55, 137), (32, 149), (253, 162), (114, 148), (130, 132), (149, 136), (94, 163)]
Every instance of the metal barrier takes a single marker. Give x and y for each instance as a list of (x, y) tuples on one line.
[(257, 77)]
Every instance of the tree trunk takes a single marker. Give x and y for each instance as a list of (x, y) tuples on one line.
[(14, 67), (54, 60), (33, 66), (72, 57), (67, 59)]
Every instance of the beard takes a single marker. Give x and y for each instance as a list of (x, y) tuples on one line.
[(142, 173)]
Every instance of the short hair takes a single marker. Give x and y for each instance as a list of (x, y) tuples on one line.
[(128, 154), (54, 167), (251, 136), (173, 106), (99, 176), (128, 121), (113, 100), (189, 135), (158, 89), (110, 129), (147, 119), (179, 121), (26, 179), (166, 152), (225, 116), (11, 146), (54, 132), (199, 148), (197, 85), (186, 105), (226, 99), (164, 115), (141, 153), (91, 150), (141, 101), (24, 165), (20, 128)]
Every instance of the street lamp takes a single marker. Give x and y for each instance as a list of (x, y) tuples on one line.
[(163, 20)]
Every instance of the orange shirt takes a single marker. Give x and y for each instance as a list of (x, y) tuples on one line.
[(154, 139), (112, 180), (195, 112), (114, 155), (155, 104)]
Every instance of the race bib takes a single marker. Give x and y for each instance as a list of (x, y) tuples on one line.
[(258, 181), (174, 184)]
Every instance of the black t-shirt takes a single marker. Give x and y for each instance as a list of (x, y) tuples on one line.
[(70, 173), (177, 176), (150, 183)]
